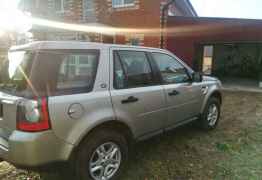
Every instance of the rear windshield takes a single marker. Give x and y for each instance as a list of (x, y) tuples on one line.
[(49, 72), (14, 71)]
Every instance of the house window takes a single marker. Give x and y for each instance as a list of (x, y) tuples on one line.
[(122, 3), (89, 10), (208, 60), (172, 10), (59, 5), (135, 39)]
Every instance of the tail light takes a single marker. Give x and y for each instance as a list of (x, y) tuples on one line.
[(33, 116)]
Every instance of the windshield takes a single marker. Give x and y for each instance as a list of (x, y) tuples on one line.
[(15, 71)]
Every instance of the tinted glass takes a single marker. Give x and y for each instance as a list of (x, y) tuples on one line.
[(77, 71), (15, 71), (50, 72), (171, 70), (119, 76), (132, 70)]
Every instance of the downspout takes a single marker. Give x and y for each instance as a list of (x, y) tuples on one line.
[(163, 11)]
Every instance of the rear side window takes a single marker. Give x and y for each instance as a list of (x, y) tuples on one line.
[(77, 71), (131, 70), (64, 72)]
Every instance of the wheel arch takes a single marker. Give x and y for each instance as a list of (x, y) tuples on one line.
[(115, 125), (215, 93)]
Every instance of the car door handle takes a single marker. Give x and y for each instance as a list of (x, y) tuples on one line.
[(173, 93), (130, 99)]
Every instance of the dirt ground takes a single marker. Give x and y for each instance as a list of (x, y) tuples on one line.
[(232, 151)]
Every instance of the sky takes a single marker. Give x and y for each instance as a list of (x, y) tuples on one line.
[(229, 8)]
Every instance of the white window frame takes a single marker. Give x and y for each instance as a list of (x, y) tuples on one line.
[(62, 8), (123, 4), (85, 10)]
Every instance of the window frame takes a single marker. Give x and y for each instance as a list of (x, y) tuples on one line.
[(155, 79), (123, 4), (62, 7), (188, 71), (87, 10)]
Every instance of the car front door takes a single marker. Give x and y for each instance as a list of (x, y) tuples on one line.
[(182, 95), (136, 95)]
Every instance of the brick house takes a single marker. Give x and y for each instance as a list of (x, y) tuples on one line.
[(135, 14)]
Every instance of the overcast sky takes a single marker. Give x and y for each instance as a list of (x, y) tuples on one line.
[(229, 8)]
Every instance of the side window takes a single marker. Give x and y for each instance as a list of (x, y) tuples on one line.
[(122, 3), (171, 70), (77, 71), (132, 69), (119, 75)]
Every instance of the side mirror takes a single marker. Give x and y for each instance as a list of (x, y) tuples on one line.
[(197, 77)]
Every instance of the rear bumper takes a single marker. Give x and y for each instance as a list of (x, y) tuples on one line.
[(34, 149)]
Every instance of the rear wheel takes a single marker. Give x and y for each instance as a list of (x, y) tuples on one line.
[(102, 156), (211, 114)]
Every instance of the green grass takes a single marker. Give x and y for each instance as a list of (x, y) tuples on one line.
[(245, 160)]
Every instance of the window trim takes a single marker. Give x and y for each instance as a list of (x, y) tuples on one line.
[(123, 4), (62, 8), (155, 80), (175, 59), (87, 10)]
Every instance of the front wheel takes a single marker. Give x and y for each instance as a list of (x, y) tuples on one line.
[(211, 114), (102, 156)]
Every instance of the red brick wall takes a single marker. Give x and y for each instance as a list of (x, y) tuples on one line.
[(145, 14)]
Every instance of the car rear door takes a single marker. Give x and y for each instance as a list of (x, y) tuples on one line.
[(137, 96), (182, 95)]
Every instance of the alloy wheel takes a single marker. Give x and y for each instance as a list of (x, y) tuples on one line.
[(105, 161)]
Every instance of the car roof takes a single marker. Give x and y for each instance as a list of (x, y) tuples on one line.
[(38, 45)]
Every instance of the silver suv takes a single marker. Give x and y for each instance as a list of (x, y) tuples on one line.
[(85, 103)]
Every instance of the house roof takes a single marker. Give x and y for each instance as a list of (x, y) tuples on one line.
[(192, 7), (187, 6)]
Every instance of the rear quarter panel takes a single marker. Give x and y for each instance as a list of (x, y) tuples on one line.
[(96, 107)]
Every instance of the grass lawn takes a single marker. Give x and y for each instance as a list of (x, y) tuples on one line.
[(232, 151)]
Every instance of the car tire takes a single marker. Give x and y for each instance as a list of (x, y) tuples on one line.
[(211, 114), (88, 157)]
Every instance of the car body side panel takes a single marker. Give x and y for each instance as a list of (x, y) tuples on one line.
[(93, 108), (148, 114), (96, 107)]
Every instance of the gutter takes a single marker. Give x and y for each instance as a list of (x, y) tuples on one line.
[(192, 8), (163, 10)]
